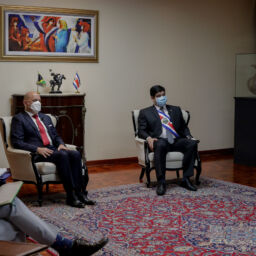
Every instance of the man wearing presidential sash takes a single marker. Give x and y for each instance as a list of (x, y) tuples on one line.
[(165, 130)]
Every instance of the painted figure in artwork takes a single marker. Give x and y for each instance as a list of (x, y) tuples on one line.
[(14, 35), (83, 37), (79, 38), (72, 45), (62, 37), (26, 42), (47, 28)]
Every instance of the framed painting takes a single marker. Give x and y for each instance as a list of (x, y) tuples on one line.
[(48, 34)]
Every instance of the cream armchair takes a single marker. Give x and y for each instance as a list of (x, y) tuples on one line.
[(22, 165), (173, 159)]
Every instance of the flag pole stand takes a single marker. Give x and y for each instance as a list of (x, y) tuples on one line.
[(77, 91)]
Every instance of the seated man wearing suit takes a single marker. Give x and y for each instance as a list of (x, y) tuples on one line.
[(34, 131), (165, 130), (17, 221)]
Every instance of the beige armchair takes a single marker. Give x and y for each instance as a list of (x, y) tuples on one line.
[(22, 165), (173, 159)]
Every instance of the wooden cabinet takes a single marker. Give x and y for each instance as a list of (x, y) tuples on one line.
[(70, 110), (245, 131)]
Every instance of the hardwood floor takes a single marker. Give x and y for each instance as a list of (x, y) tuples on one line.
[(219, 167)]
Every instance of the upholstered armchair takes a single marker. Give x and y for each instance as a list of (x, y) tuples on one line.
[(173, 159), (22, 165)]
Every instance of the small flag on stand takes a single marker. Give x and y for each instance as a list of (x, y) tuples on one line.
[(40, 81), (76, 82)]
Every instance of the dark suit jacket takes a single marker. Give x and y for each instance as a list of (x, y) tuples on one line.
[(25, 134), (150, 124)]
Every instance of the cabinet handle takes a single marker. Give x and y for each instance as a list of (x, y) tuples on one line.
[(63, 112)]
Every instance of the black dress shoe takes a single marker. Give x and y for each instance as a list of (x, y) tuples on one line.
[(161, 189), (81, 247), (188, 185), (73, 201), (85, 200)]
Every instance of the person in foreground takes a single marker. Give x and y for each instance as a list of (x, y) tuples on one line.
[(17, 221), (165, 130), (33, 131)]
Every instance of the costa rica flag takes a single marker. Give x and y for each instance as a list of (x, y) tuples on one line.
[(76, 81)]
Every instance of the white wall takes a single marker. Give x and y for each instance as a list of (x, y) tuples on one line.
[(187, 46)]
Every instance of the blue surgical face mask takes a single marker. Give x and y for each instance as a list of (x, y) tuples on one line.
[(161, 101)]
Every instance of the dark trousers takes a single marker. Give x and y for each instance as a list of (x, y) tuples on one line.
[(69, 168), (162, 147)]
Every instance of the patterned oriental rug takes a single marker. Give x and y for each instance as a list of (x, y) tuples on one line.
[(218, 219)]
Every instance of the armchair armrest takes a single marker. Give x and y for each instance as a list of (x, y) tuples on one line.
[(192, 138), (20, 164), (139, 140), (80, 150), (142, 150), (71, 147), (18, 151)]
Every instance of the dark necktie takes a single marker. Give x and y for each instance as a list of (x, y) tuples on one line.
[(42, 131)]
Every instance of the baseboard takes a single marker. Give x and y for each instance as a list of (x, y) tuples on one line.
[(204, 154), (126, 160), (209, 154)]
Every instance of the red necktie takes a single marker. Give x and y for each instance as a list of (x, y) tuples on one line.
[(42, 131)]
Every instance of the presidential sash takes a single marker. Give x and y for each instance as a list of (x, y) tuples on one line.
[(167, 123)]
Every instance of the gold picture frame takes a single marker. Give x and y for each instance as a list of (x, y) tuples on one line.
[(48, 34)]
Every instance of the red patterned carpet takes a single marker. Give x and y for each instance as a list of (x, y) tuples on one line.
[(218, 219)]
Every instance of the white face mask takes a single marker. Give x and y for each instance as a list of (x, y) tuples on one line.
[(36, 106)]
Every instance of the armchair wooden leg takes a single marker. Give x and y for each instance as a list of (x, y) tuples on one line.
[(198, 168), (142, 174), (40, 193), (47, 188), (198, 172), (148, 177)]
